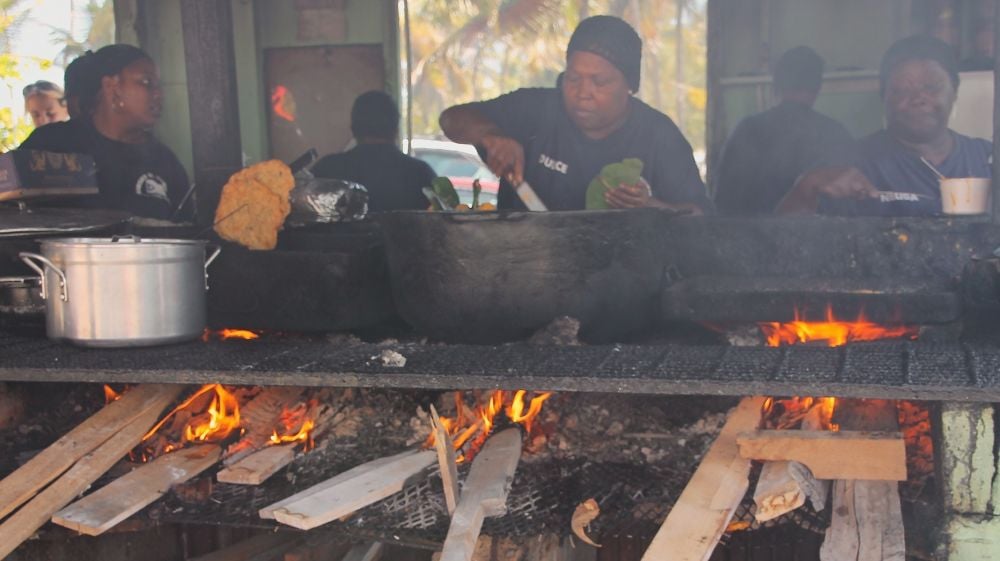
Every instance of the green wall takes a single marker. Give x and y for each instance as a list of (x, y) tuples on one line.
[(257, 25)]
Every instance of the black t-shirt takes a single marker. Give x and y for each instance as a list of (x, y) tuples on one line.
[(393, 179), (560, 161), (145, 179), (768, 151)]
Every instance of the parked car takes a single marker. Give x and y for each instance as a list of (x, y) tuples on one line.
[(461, 164)]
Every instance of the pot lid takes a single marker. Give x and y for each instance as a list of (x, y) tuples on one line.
[(35, 221)]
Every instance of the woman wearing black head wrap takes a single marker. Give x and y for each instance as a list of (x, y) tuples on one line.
[(119, 98), (918, 82), (559, 139)]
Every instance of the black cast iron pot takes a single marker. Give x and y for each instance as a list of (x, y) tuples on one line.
[(500, 276)]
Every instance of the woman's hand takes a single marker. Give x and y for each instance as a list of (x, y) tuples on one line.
[(504, 157), (628, 196)]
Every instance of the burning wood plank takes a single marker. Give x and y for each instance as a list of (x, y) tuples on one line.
[(879, 456), (700, 516), (784, 486), (446, 461), (331, 500), (259, 418), (485, 493), (867, 523), (102, 510), (84, 472), (50, 463), (258, 466)]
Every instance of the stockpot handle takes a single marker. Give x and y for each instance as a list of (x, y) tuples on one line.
[(130, 237), (215, 250), (29, 258)]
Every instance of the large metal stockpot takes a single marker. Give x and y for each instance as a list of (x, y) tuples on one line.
[(123, 291)]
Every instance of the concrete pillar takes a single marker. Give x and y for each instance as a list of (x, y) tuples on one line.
[(966, 469)]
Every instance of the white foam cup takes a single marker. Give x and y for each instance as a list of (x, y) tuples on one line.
[(965, 195)]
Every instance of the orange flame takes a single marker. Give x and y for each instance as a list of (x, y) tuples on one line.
[(110, 395), (226, 334), (814, 413), (480, 424), (223, 417), (290, 419), (283, 103), (833, 332)]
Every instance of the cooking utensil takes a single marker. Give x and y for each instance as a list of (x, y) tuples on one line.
[(123, 291), (529, 197), (184, 200), (500, 276), (933, 168)]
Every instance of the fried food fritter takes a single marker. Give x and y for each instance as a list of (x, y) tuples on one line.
[(254, 205)]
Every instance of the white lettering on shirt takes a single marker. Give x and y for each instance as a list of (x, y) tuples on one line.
[(554, 165), (151, 185)]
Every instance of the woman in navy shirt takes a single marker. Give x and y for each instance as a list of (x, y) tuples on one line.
[(919, 81)]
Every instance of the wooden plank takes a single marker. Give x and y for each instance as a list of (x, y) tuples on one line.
[(267, 512), (700, 516), (371, 551), (349, 495), (867, 520), (23, 523), (100, 511), (52, 462), (257, 467), (447, 463), (485, 493), (876, 456)]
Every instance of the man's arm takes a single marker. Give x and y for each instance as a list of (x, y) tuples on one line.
[(835, 183), (466, 124)]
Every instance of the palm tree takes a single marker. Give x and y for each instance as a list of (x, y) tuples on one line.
[(100, 31)]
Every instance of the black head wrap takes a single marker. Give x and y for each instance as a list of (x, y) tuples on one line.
[(106, 61), (918, 47), (613, 40)]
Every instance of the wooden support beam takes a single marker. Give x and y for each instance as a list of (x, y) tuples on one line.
[(700, 516), (258, 466), (879, 456), (330, 502), (23, 523), (867, 522), (447, 463), (485, 493), (52, 462), (101, 510), (210, 63)]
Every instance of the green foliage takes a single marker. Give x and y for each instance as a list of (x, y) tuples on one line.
[(13, 129), (478, 49)]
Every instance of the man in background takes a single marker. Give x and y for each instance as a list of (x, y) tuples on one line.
[(769, 151), (393, 179)]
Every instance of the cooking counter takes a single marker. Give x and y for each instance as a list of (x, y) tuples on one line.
[(902, 370)]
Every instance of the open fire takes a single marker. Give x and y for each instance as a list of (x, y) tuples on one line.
[(474, 427), (832, 331)]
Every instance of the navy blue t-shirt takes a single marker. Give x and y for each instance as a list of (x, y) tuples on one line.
[(891, 166), (560, 161), (394, 180), (145, 179)]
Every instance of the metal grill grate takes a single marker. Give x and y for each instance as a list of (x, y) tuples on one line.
[(900, 370)]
